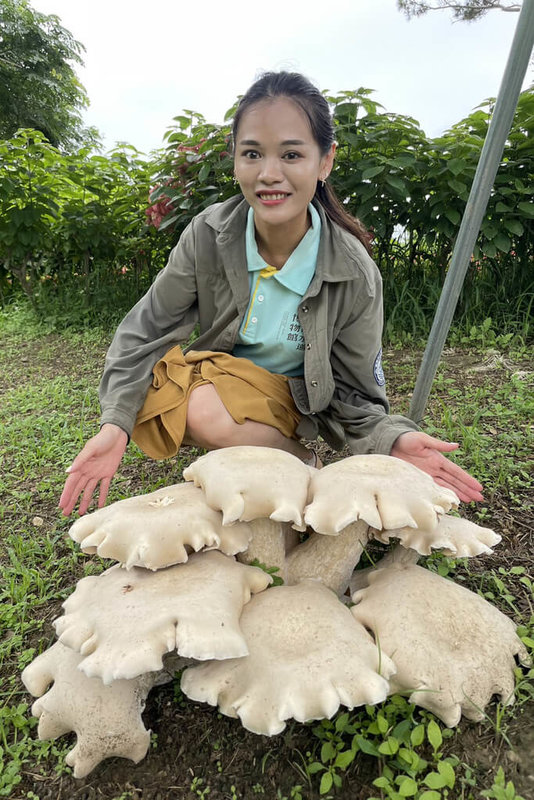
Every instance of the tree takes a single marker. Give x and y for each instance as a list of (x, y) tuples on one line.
[(38, 85), (467, 10)]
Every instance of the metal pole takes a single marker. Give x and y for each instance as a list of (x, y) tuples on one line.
[(488, 164)]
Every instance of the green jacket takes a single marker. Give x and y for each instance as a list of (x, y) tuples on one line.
[(342, 396)]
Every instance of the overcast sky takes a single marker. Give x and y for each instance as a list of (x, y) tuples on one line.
[(145, 62)]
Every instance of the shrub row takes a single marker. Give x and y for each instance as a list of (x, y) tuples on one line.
[(83, 234)]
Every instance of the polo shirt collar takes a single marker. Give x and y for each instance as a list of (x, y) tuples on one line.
[(296, 273), (338, 249)]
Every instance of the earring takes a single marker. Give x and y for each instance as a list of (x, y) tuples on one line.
[(323, 181)]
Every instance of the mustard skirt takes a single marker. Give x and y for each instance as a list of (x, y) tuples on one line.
[(246, 390)]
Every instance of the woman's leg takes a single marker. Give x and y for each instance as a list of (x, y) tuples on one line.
[(209, 425)]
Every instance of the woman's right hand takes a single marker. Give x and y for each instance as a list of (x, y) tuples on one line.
[(96, 463)]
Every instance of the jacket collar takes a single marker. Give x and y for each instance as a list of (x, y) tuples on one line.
[(340, 253), (229, 220)]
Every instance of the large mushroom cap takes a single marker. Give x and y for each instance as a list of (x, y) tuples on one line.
[(454, 536), (156, 530), (307, 656), (453, 650), (249, 482), (123, 622), (383, 491), (106, 719)]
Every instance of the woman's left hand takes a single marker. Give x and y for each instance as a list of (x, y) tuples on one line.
[(426, 452)]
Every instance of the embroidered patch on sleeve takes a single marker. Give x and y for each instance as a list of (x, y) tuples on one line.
[(378, 371)]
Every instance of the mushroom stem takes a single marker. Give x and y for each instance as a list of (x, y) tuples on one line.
[(329, 559), (268, 544), (397, 555)]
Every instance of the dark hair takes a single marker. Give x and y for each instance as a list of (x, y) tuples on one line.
[(299, 89)]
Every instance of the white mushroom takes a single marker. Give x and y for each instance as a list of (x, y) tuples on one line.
[(156, 530), (383, 491), (453, 650), (249, 482), (269, 544), (454, 536), (329, 559), (396, 555), (307, 656), (123, 622), (106, 719)]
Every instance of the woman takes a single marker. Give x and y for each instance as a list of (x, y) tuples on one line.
[(290, 311)]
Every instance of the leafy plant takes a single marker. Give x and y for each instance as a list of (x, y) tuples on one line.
[(84, 234), (272, 571), (38, 85), (501, 789), (194, 171)]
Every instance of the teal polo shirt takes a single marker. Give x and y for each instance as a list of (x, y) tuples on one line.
[(270, 334)]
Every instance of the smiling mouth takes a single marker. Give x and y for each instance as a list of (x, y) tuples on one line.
[(272, 195)]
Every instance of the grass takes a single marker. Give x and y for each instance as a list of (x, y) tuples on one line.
[(48, 408)]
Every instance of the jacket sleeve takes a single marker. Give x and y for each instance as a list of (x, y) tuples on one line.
[(165, 316), (359, 404)]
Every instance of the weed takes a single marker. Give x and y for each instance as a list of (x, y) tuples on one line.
[(272, 571), (484, 335), (17, 747), (295, 793), (501, 790), (198, 789)]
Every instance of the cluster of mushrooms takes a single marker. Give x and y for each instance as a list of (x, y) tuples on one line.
[(185, 594)]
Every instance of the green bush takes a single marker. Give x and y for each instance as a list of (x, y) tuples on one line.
[(83, 235)]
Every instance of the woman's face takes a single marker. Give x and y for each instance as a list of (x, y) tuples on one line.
[(278, 162)]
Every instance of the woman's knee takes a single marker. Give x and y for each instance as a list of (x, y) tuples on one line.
[(208, 422), (210, 425)]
